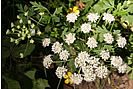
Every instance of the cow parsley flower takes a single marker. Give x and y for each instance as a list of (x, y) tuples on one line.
[(46, 42), (122, 68), (70, 38), (76, 78), (57, 47), (47, 61), (87, 69), (79, 62), (93, 17), (86, 28), (108, 38), (83, 55), (60, 72), (101, 71), (92, 43), (89, 77), (93, 61), (105, 54), (64, 55), (121, 42), (116, 61), (72, 17), (108, 17)]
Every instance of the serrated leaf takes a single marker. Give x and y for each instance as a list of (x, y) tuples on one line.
[(31, 74), (12, 84), (40, 84)]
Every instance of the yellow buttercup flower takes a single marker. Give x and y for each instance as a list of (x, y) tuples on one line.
[(73, 10), (67, 78)]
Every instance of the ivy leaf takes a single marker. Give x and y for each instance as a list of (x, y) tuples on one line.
[(128, 69), (40, 84), (31, 74), (12, 84)]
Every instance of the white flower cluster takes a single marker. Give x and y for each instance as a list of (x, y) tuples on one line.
[(86, 28), (121, 42), (76, 78), (122, 68), (108, 38), (57, 47), (60, 72), (101, 71), (93, 17), (70, 38), (72, 17), (116, 61), (92, 43), (46, 42), (47, 61), (64, 55), (81, 59), (105, 54), (93, 61), (108, 17)]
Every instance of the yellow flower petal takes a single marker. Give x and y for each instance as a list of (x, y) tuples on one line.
[(66, 76), (75, 8), (71, 82), (69, 10), (67, 81), (76, 11), (69, 74)]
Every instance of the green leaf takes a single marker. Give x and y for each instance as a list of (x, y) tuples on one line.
[(71, 66), (56, 19), (31, 74), (58, 10), (116, 32), (128, 18), (128, 69), (85, 0), (40, 84), (131, 76), (130, 8), (26, 49), (12, 84), (39, 7)]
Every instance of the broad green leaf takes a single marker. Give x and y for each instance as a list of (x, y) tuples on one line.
[(40, 84), (31, 74), (128, 69), (12, 84)]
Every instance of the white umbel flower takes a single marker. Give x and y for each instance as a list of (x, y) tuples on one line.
[(83, 55), (116, 61), (87, 69), (86, 28), (76, 78), (121, 42), (93, 61), (60, 72), (101, 71), (64, 55), (93, 17), (72, 17), (79, 62), (46, 42), (47, 61), (89, 77), (70, 38), (122, 68), (105, 54), (57, 47), (32, 32), (108, 38), (108, 17), (92, 43)]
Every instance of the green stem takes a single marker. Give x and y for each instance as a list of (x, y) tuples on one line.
[(112, 26), (98, 85), (79, 70), (99, 19), (39, 20), (45, 72), (58, 84), (36, 21), (74, 86)]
